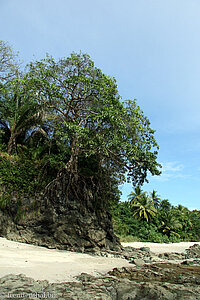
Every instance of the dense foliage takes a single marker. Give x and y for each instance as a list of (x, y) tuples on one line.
[(65, 132), (149, 218)]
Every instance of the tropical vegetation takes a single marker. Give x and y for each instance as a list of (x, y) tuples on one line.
[(147, 217)]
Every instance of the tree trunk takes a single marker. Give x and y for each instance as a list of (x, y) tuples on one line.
[(12, 147), (72, 164)]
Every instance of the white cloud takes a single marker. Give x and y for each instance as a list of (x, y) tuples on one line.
[(171, 170), (172, 167)]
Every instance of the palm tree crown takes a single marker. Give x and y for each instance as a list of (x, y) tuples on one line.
[(141, 205), (155, 198), (19, 112)]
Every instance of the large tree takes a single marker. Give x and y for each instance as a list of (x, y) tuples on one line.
[(89, 117)]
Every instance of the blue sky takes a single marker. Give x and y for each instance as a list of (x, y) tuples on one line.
[(151, 47)]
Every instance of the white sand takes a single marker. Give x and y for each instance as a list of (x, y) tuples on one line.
[(162, 248), (53, 265)]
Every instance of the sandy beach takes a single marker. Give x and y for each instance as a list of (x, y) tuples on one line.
[(162, 248), (54, 265)]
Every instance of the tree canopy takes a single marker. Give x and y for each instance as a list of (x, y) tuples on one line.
[(92, 118), (97, 137)]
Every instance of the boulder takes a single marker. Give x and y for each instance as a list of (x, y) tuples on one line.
[(138, 262), (145, 249)]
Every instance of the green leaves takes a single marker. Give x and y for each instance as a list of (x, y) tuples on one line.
[(141, 205), (19, 111), (87, 107)]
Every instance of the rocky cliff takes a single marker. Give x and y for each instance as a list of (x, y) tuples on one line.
[(75, 226)]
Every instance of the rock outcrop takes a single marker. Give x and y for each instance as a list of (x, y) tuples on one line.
[(158, 281), (75, 227)]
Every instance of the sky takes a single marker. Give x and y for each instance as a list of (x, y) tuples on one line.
[(151, 47)]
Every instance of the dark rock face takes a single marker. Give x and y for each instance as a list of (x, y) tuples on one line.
[(75, 228)]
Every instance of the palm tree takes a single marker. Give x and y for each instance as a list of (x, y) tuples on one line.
[(170, 225), (184, 216), (165, 205), (141, 206), (136, 196), (19, 113), (155, 198)]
